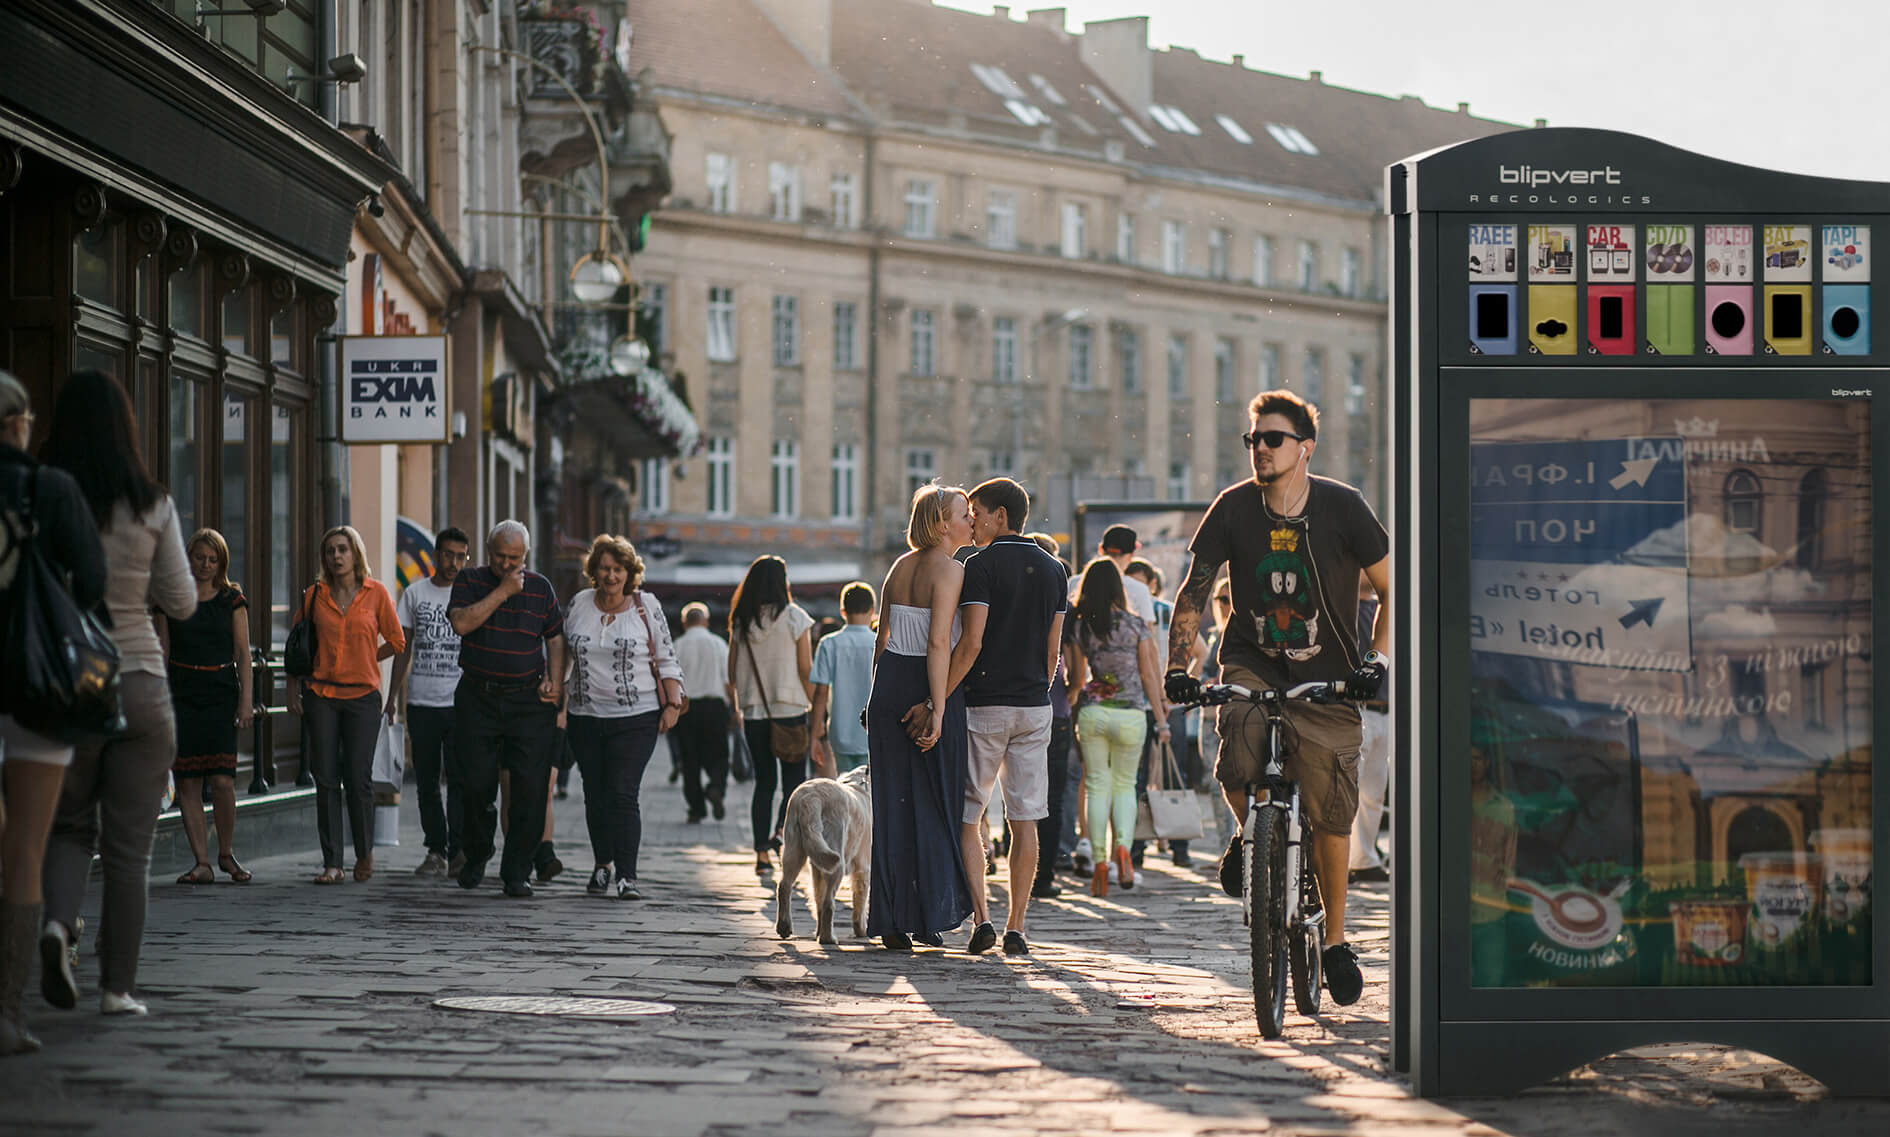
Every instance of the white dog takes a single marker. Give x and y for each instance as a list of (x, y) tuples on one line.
[(829, 823)]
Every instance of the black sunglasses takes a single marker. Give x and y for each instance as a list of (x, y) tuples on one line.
[(1271, 439)]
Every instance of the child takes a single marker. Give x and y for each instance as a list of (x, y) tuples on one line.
[(843, 676)]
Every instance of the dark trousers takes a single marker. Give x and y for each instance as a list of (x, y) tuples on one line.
[(700, 743), (341, 735), (430, 729), (612, 755), (498, 729), (1050, 829), (770, 771)]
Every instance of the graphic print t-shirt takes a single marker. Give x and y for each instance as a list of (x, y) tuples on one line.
[(1295, 579), (435, 644)]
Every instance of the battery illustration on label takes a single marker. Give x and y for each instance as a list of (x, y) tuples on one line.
[(1492, 252), (1610, 252), (1728, 253), (1552, 252), (1846, 254), (1670, 253), (1788, 253)]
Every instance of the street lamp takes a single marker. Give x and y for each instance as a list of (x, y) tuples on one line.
[(596, 277), (628, 356)]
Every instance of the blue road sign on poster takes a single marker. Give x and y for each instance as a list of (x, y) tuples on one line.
[(1579, 552)]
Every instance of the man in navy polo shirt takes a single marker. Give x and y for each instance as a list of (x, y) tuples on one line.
[(511, 661), (1012, 607)]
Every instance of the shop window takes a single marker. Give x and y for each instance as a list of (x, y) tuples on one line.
[(236, 312), (282, 339), (284, 533), (186, 289), (239, 426), (97, 255), (93, 357), (186, 458)]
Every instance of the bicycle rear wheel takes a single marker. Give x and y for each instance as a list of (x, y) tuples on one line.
[(1308, 933), (1266, 888)]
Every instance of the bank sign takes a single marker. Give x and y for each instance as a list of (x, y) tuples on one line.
[(393, 389)]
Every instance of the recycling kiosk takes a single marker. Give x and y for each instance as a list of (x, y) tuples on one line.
[(1635, 417)]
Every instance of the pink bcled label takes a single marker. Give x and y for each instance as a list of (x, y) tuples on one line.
[(1729, 254)]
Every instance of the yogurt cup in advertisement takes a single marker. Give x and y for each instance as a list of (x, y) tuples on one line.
[(1709, 933), (1785, 890), (1846, 856)]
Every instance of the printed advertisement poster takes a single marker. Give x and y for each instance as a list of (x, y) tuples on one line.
[(1729, 257), (1670, 254), (1492, 253), (1552, 251), (1846, 254), (1610, 253), (1788, 253)]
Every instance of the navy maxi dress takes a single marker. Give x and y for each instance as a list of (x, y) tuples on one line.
[(918, 882)]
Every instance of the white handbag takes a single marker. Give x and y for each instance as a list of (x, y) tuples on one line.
[(1174, 814)]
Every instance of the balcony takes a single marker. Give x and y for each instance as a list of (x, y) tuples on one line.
[(584, 49)]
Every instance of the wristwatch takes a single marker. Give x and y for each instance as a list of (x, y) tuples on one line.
[(1378, 658)]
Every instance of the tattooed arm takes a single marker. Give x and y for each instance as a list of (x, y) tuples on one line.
[(1190, 601)]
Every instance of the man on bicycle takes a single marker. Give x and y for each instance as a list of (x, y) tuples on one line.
[(1294, 545)]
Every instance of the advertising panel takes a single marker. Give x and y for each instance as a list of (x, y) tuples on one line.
[(394, 389)]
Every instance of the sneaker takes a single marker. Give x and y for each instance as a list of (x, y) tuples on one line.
[(471, 873), (1014, 942), (983, 939), (896, 941), (1342, 974), (627, 890), (716, 808), (1373, 874), (518, 889), (548, 864), (1081, 858), (1230, 867), (599, 882), (112, 1003), (55, 967), (694, 818), (1045, 889), (433, 866), (457, 863), (1182, 859), (929, 939)]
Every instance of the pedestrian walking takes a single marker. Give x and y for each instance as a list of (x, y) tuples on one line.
[(425, 675), (1013, 603), (1050, 829), (212, 700), (1119, 543), (355, 628), (1114, 670), (771, 659), (109, 804), (701, 737), (1374, 768), (623, 688), (47, 502), (842, 677), (505, 709), (1295, 587), (918, 888)]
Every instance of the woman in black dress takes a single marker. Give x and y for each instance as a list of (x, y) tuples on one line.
[(210, 693)]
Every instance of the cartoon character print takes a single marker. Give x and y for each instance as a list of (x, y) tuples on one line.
[(1288, 619)]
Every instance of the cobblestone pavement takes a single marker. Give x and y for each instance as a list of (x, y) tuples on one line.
[(284, 1009)]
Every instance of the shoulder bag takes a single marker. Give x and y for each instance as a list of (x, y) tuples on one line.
[(788, 740), (298, 651), (62, 665), (1171, 814), (649, 632)]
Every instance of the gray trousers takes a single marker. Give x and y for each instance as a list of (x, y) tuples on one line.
[(110, 801)]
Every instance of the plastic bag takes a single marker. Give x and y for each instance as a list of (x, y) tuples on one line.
[(390, 756), (741, 764)]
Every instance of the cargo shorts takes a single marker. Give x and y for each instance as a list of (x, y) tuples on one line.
[(1325, 763)]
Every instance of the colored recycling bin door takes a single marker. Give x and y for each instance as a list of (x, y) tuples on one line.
[(1670, 692)]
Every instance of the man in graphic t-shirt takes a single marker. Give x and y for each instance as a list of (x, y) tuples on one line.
[(425, 676), (1294, 545)]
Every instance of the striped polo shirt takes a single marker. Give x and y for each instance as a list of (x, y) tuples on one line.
[(510, 646)]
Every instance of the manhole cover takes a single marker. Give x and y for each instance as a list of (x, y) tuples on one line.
[(606, 1009)]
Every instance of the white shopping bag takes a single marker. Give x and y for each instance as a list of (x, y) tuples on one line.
[(390, 757), (386, 825)]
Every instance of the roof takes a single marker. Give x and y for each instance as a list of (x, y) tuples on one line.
[(730, 49)]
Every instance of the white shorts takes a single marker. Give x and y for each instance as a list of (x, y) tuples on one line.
[(1013, 742), (18, 744)]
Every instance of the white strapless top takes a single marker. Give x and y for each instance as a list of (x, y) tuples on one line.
[(909, 627)]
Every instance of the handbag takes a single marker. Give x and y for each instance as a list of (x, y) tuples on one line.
[(788, 739), (390, 757), (655, 675), (741, 764), (1174, 814), (298, 651), (62, 664)]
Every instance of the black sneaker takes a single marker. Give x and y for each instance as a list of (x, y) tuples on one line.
[(1045, 889), (1230, 867), (1014, 943), (55, 967), (599, 882), (1342, 974), (929, 939), (896, 941), (518, 889), (983, 939), (472, 873)]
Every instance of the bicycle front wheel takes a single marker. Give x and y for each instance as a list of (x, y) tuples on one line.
[(1266, 888)]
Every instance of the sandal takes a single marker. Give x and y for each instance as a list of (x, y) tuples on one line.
[(233, 868), (363, 869), (762, 865), (329, 876), (201, 874)]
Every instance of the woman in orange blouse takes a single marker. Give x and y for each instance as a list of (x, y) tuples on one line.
[(355, 628)]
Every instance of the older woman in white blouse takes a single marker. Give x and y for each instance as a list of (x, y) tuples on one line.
[(623, 688)]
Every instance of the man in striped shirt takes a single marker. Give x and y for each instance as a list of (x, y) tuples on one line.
[(511, 660)]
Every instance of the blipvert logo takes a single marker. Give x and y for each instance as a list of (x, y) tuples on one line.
[(1530, 176), (394, 384)]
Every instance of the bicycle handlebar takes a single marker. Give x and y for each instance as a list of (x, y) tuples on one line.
[(1215, 694)]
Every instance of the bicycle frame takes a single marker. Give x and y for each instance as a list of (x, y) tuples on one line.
[(1283, 794)]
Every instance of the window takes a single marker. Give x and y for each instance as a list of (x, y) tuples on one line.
[(1263, 261), (722, 324), (1049, 93), (1177, 366), (654, 302), (1102, 98), (784, 467), (921, 469), (1173, 120), (1810, 518), (1129, 345), (1355, 384), (1234, 130), (1815, 676), (1349, 273), (846, 482), (1178, 481), (1004, 349), (921, 208), (846, 319), (1073, 224), (721, 487), (1026, 113), (1308, 265), (1315, 376), (1082, 376), (1269, 366), (721, 184), (787, 331), (653, 486), (1174, 247), (1291, 140), (924, 344), (1000, 219), (997, 81), (1136, 132), (1219, 241), (1125, 238), (1003, 464), (1743, 497), (784, 191), (1224, 370), (845, 209)]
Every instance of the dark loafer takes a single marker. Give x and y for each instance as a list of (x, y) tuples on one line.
[(983, 939)]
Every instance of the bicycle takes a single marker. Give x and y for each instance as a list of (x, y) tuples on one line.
[(1276, 865)]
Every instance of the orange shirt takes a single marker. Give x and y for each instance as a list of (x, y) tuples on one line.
[(347, 644)]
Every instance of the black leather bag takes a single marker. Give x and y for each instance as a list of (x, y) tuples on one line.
[(298, 651), (62, 664)]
